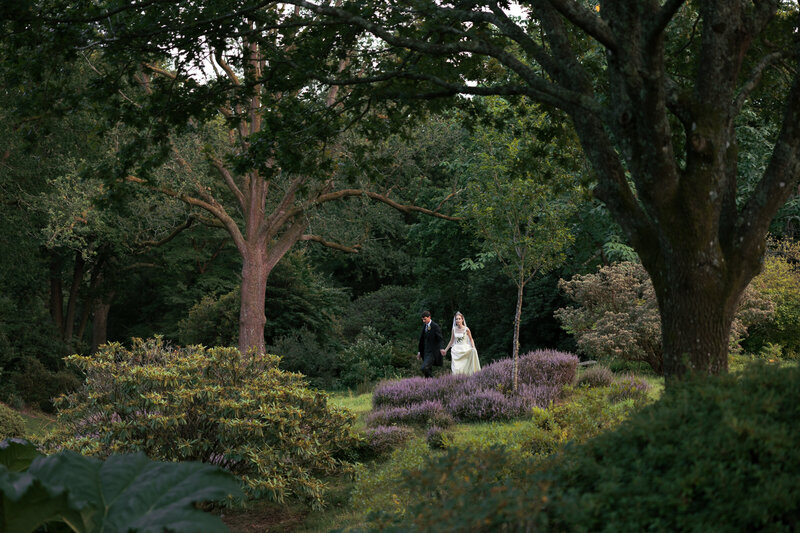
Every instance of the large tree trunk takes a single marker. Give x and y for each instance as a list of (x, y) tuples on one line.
[(100, 309), (255, 270), (72, 302), (56, 297)]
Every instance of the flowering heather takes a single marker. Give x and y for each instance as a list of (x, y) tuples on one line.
[(539, 395), (628, 387), (542, 367), (486, 395), (422, 414), (480, 405), (597, 376), (383, 439), (415, 390), (436, 438)]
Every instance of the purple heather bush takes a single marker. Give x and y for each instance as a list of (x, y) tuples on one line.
[(596, 376), (489, 404), (486, 395), (425, 413), (542, 367), (539, 395), (628, 387), (383, 439), (436, 438), (415, 390)]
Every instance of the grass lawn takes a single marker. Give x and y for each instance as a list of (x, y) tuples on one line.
[(37, 423)]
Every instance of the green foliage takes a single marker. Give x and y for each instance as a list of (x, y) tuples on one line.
[(589, 412), (210, 405), (11, 423), (299, 298), (301, 352), (617, 315), (369, 359), (37, 386), (779, 281), (715, 454), (123, 493), (518, 200)]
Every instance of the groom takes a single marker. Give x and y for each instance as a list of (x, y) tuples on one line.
[(430, 345)]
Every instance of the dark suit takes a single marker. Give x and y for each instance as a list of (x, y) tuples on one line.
[(430, 345)]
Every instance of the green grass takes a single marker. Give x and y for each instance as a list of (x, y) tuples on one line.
[(37, 424)]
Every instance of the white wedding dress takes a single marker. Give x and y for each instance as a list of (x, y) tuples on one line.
[(464, 356)]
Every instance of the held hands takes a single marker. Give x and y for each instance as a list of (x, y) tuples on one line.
[(443, 351)]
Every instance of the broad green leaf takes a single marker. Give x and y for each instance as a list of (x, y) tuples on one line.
[(17, 454), (28, 503), (132, 492)]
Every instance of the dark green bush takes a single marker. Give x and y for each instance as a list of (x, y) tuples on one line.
[(368, 359), (11, 423), (37, 386), (718, 454), (300, 352), (211, 405)]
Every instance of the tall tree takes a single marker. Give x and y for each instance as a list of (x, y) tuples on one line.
[(653, 90), (517, 204), (245, 65)]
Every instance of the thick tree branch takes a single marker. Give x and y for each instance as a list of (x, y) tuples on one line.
[(347, 193), (215, 209), (174, 233), (754, 78), (229, 181), (335, 245), (588, 21)]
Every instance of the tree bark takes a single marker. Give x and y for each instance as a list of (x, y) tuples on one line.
[(72, 302), (252, 319), (56, 297), (100, 309), (517, 320)]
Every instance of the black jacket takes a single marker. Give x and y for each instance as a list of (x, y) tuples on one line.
[(430, 343)]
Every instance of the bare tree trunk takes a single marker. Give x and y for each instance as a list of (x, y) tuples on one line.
[(101, 307), (254, 285), (517, 320), (74, 290), (56, 298)]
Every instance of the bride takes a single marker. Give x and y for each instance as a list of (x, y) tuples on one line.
[(464, 355)]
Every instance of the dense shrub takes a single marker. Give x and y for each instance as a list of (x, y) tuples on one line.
[(485, 395), (383, 439), (718, 454), (628, 387), (779, 281), (210, 405), (486, 404), (11, 423), (541, 367), (418, 389), (596, 376), (368, 359), (436, 438), (37, 386), (424, 414), (617, 315), (300, 352)]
